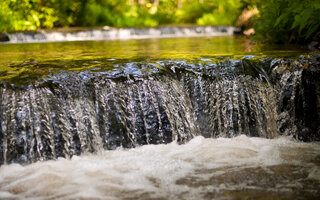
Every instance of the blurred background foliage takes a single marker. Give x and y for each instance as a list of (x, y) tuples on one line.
[(294, 21), (277, 20)]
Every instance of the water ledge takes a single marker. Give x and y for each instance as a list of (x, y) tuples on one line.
[(107, 33)]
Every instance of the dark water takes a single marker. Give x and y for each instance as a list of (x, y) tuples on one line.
[(93, 101)]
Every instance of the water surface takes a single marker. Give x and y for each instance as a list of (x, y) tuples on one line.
[(40, 59)]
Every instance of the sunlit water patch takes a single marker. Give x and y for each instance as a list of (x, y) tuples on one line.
[(220, 168), (43, 58)]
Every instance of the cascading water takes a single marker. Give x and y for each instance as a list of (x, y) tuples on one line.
[(107, 33), (92, 120), (135, 104)]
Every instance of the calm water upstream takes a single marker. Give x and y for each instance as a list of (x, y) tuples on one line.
[(192, 49), (163, 48), (65, 105)]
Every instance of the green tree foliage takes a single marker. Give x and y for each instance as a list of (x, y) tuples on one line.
[(25, 15), (19, 15), (278, 20), (288, 20), (116, 13), (66, 11), (222, 13)]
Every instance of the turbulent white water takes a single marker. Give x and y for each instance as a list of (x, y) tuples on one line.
[(108, 33), (201, 169)]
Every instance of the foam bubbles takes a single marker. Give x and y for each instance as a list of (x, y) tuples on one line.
[(202, 168)]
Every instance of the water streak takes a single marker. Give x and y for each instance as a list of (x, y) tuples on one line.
[(71, 113)]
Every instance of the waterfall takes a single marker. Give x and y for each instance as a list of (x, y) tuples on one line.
[(107, 33), (69, 113)]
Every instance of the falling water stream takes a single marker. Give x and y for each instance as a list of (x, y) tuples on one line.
[(170, 118)]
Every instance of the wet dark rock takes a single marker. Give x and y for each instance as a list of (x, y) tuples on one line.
[(314, 45), (299, 97), (308, 103), (4, 37)]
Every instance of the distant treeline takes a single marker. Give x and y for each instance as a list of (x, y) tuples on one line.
[(277, 20), (19, 15)]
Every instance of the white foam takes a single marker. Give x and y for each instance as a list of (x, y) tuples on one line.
[(147, 171), (122, 33)]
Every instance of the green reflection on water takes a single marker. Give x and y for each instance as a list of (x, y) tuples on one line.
[(38, 59)]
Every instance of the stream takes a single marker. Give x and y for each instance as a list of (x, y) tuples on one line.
[(160, 118)]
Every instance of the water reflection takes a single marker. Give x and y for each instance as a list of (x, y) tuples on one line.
[(164, 48)]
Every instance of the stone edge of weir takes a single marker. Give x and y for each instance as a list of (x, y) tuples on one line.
[(108, 33)]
